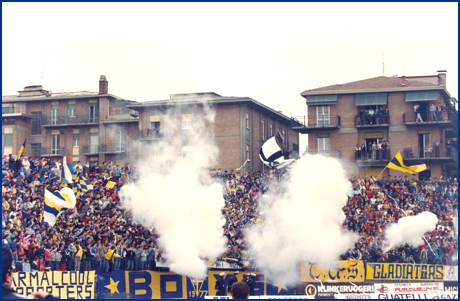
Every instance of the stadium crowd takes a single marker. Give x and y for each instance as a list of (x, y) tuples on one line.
[(99, 234)]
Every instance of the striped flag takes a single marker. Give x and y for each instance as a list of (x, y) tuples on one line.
[(110, 182), (21, 150), (67, 171), (57, 202), (412, 167), (272, 155)]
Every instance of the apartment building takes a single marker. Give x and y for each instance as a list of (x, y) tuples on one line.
[(240, 127), (340, 117), (99, 126), (87, 126)]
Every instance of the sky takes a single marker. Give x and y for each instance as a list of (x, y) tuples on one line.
[(270, 52)]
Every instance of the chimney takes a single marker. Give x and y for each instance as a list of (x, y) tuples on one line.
[(442, 78), (403, 80), (103, 85)]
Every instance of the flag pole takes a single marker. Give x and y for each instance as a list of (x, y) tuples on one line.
[(381, 172), (248, 160)]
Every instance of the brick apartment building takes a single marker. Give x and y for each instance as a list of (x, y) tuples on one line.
[(338, 119), (98, 126), (241, 125), (87, 126)]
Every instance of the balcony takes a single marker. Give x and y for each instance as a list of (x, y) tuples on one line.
[(52, 152), (374, 158), (55, 121), (150, 135), (90, 149), (332, 154), (372, 122), (430, 154), (291, 150), (113, 148), (449, 120), (306, 125)]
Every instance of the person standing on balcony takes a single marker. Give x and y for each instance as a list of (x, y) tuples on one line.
[(357, 152), (448, 148), (439, 111), (369, 150), (363, 151), (433, 112), (370, 113), (386, 114), (437, 148), (418, 117), (444, 110)]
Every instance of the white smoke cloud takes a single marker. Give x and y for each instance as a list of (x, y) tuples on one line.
[(303, 224), (410, 229), (175, 196)]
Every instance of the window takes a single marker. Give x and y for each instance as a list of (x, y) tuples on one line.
[(324, 146), (247, 120), (8, 140), (36, 123), (263, 129), (186, 121), (35, 149), (54, 114), (271, 130), (75, 140), (71, 110), (5, 110), (322, 115), (119, 141), (55, 144), (94, 143), (93, 112), (154, 129), (425, 149), (247, 152)]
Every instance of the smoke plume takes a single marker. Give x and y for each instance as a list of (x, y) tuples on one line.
[(410, 229), (175, 195), (303, 220)]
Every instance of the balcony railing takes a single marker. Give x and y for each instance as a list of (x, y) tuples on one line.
[(67, 120), (333, 154), (446, 118), (373, 155), (430, 153), (113, 148), (49, 152), (371, 121), (316, 122), (151, 134), (90, 149)]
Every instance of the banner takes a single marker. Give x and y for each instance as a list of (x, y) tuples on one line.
[(262, 287), (262, 297), (409, 287), (406, 296), (347, 271), (329, 290), (64, 285), (450, 273), (404, 271), (451, 286), (169, 285)]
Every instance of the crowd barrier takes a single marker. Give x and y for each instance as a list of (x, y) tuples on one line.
[(351, 279)]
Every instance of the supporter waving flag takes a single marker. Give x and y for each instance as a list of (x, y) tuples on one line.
[(21, 150), (67, 171), (110, 182), (57, 202), (412, 167), (272, 155)]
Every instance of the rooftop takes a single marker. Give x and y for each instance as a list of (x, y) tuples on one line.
[(376, 84)]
